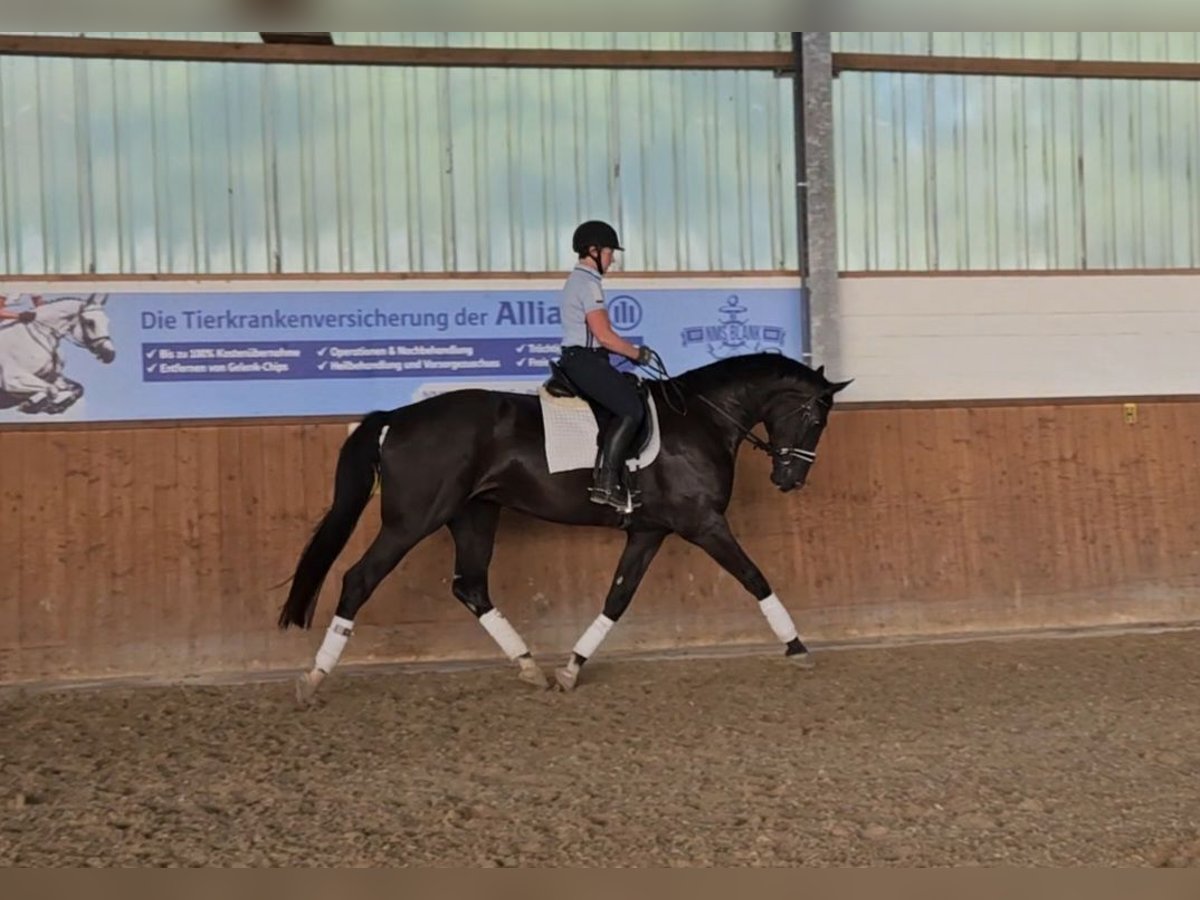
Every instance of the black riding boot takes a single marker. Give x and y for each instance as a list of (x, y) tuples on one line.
[(607, 486)]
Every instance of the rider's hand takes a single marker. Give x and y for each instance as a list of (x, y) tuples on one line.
[(645, 354), (26, 316)]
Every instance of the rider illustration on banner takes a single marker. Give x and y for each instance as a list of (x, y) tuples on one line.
[(8, 312), (587, 339), (31, 359)]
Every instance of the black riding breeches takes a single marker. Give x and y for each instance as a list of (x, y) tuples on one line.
[(591, 372)]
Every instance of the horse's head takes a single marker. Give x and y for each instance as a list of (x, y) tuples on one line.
[(82, 322), (795, 415)]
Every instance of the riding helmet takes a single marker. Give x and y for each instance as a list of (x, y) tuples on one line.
[(595, 233)]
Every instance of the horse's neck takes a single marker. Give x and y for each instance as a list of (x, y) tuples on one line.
[(55, 326), (740, 408), (747, 397)]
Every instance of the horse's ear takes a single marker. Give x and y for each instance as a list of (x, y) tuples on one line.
[(821, 370), (839, 386)]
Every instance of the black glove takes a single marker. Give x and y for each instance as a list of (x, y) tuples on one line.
[(644, 356), (26, 316)]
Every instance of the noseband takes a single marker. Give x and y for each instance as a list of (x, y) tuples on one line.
[(787, 454)]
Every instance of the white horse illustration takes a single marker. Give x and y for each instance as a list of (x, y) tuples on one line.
[(31, 365)]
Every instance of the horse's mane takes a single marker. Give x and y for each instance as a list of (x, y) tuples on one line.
[(749, 367), (56, 301)]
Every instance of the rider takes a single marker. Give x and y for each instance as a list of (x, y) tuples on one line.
[(588, 337), (20, 315)]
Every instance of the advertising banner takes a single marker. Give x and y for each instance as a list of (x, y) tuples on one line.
[(261, 350)]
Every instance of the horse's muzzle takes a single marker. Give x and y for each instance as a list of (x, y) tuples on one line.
[(104, 351), (789, 477)]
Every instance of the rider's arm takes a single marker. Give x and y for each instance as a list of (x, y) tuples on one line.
[(602, 330)]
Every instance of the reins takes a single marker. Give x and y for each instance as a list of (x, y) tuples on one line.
[(657, 367)]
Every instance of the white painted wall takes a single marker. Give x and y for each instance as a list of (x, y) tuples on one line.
[(949, 338), (924, 337)]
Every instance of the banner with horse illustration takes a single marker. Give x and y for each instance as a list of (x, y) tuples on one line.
[(259, 350)]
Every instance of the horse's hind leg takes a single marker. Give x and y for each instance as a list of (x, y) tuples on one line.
[(718, 541), (384, 554), (474, 532)]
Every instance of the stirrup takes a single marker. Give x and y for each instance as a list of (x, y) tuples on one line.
[(622, 499), (632, 500), (635, 497), (603, 495)]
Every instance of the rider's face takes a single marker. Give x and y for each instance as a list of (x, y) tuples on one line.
[(603, 258)]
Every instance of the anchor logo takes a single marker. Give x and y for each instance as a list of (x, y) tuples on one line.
[(734, 334)]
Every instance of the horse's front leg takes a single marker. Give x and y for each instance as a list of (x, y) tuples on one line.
[(640, 549), (718, 541), (67, 393)]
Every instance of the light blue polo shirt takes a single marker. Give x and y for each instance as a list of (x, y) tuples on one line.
[(580, 295)]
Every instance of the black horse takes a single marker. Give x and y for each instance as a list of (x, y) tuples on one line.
[(456, 459)]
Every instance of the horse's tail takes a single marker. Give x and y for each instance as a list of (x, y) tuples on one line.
[(354, 481)]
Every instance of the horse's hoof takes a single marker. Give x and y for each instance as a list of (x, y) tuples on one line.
[(801, 660), (566, 679), (306, 689), (533, 675)]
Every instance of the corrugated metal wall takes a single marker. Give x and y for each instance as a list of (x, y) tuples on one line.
[(948, 172), (128, 167), (133, 167)]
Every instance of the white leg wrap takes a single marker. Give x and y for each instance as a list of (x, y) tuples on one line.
[(778, 618), (503, 633), (591, 639), (335, 642)]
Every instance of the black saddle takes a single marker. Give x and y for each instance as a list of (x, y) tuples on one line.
[(559, 385)]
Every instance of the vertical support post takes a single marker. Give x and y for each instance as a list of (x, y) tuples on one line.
[(801, 150), (816, 205)]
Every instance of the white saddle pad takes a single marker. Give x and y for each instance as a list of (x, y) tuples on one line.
[(571, 432)]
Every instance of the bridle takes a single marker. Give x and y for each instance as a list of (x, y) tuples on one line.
[(785, 455), (45, 334)]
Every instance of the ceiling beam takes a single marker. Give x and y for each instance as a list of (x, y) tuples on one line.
[(324, 38), (1016, 67), (310, 48), (382, 55)]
